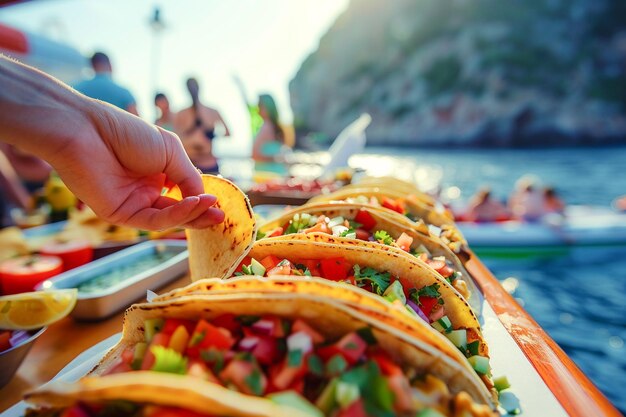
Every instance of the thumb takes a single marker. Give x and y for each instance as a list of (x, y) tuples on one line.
[(179, 168)]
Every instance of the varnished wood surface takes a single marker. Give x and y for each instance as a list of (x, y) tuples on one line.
[(57, 346), (576, 393)]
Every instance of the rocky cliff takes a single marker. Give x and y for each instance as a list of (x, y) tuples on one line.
[(470, 72)]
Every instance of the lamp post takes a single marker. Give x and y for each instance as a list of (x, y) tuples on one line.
[(157, 25)]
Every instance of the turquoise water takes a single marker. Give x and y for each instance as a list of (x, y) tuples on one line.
[(579, 298)]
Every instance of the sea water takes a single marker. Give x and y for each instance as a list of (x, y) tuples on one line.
[(578, 297)]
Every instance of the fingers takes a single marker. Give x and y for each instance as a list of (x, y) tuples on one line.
[(194, 212), (179, 168)]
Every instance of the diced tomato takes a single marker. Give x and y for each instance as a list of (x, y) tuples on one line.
[(238, 373), (386, 365), (350, 346), (171, 325), (366, 219), (246, 261), (283, 376), (5, 337), (436, 265), (279, 329), (321, 227), (276, 232), (301, 326), (266, 351), (159, 339), (362, 234), (399, 385), (75, 411), (446, 271), (229, 322), (175, 412), (404, 242), (423, 257), (270, 262), (335, 269), (198, 369), (356, 409), (127, 355), (427, 304), (216, 337), (120, 368), (395, 205), (350, 280), (312, 265), (283, 268)]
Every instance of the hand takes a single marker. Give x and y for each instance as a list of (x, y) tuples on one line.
[(118, 165)]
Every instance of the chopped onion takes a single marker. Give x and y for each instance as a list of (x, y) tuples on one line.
[(265, 327), (417, 310), (338, 230), (248, 343), (300, 341)]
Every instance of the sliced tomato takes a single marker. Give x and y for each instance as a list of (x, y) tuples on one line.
[(404, 242), (270, 262), (335, 269), (170, 325), (391, 204), (283, 376), (362, 234), (350, 346), (427, 304), (312, 265), (238, 372), (301, 326), (356, 409), (436, 264), (366, 219), (229, 322), (5, 340), (446, 271)]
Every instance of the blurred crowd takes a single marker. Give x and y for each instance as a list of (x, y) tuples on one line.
[(197, 125)]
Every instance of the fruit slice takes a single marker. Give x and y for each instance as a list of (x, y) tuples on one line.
[(33, 310)]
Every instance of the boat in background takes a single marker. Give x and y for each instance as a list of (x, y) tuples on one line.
[(581, 227)]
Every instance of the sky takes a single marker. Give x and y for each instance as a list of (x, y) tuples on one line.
[(263, 42)]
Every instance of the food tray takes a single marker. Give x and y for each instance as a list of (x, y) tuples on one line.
[(102, 303)]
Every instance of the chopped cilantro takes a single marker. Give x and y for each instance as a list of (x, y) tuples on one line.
[(260, 235), (383, 237), (196, 338), (294, 358), (336, 365), (431, 291), (213, 357), (379, 280), (354, 225), (302, 269), (168, 360), (292, 228), (254, 382), (315, 365), (345, 233)]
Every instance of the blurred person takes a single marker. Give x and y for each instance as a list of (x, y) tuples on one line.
[(270, 138), (114, 162), (552, 203), (526, 202), (166, 115), (483, 208), (196, 127), (102, 86)]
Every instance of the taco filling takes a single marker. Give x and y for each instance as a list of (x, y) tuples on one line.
[(291, 363), (363, 227), (118, 408), (425, 302)]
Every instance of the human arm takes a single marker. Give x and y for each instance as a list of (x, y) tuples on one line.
[(114, 162), (11, 184), (221, 120)]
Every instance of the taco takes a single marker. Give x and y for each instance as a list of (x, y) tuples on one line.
[(405, 205), (228, 241), (379, 227), (148, 394), (320, 353), (395, 184)]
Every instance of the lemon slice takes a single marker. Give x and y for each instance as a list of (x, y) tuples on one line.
[(33, 310)]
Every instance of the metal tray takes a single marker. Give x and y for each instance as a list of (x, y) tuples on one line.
[(102, 304)]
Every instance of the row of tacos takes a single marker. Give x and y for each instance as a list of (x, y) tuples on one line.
[(347, 309)]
